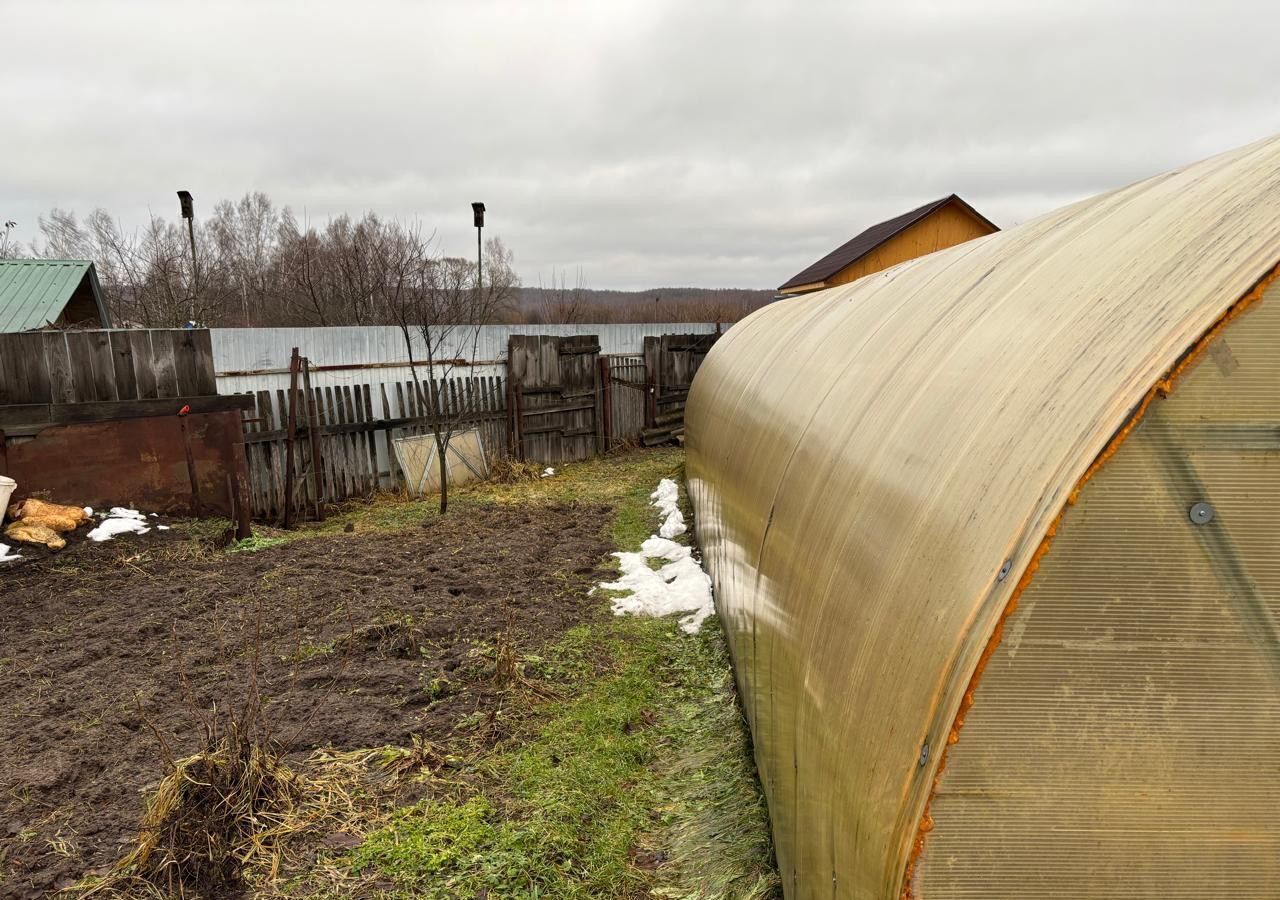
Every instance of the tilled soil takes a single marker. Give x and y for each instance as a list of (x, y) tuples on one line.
[(108, 650)]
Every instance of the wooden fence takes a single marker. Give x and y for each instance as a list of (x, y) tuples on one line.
[(341, 438), (561, 401), (671, 361), (626, 390), (120, 417), (555, 397), (62, 367)]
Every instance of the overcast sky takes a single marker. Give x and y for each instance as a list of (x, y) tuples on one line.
[(716, 144)]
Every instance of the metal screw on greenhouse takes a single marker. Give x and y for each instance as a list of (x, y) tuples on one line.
[(1004, 570), (1200, 513), (924, 753)]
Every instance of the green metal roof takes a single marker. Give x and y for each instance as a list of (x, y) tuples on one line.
[(33, 292)]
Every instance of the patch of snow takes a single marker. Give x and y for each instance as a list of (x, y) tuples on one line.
[(162, 528), (88, 511), (123, 512), (667, 498), (121, 521), (680, 586), (548, 472), (7, 554), (152, 515)]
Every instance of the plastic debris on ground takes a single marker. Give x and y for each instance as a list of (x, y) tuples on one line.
[(7, 554), (679, 586), (548, 472), (120, 521)]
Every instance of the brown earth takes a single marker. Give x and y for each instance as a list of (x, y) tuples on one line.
[(365, 639)]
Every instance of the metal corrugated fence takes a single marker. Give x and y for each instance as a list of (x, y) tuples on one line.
[(253, 359)]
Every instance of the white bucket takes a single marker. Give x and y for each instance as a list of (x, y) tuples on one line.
[(7, 486)]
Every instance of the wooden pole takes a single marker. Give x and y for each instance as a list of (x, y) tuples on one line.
[(239, 476), (313, 434), (197, 508), (519, 397), (295, 364), (606, 404)]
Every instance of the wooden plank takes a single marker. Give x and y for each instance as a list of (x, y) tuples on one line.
[(371, 436), (290, 441), (348, 446), (261, 460), (351, 414), (313, 441), (393, 465), (144, 369), (204, 378), (122, 360), (184, 360), (368, 473), (80, 353), (45, 414), (37, 370), (62, 387), (163, 365), (328, 447), (13, 369), (425, 424), (341, 486), (266, 458)]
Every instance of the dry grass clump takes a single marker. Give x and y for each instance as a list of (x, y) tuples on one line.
[(507, 470), (225, 817), (398, 637), (216, 813)]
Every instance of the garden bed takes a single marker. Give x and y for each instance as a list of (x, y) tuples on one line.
[(113, 655)]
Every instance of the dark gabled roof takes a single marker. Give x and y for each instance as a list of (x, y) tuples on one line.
[(872, 238)]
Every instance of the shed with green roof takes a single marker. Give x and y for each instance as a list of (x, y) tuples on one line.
[(37, 293)]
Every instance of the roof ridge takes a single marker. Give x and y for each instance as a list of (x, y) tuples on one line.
[(874, 236)]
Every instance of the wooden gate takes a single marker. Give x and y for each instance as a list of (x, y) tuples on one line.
[(670, 363), (555, 397)]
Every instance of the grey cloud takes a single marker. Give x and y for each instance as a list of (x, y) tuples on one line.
[(645, 143)]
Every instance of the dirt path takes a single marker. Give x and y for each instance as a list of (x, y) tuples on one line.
[(364, 640)]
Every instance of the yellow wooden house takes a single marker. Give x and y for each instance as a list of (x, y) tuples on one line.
[(934, 226)]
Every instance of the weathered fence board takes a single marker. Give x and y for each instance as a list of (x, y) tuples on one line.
[(671, 361), (356, 457), (105, 365), (556, 392), (628, 390)]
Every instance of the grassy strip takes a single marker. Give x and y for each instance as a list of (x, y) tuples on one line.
[(641, 782)]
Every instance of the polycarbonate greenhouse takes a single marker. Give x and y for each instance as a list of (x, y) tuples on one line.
[(995, 536)]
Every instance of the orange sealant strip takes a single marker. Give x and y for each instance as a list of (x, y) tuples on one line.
[(1161, 388)]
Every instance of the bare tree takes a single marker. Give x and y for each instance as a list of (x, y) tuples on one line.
[(562, 304), (246, 234), (446, 310)]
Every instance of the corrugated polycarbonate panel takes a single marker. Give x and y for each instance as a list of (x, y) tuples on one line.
[(1125, 736), (863, 461)]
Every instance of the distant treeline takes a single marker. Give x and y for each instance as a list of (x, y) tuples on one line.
[(258, 265)]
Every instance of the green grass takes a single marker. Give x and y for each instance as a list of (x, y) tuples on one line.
[(637, 782), (623, 481), (649, 759), (254, 543)]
